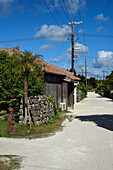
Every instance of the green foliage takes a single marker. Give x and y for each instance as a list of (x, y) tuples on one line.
[(92, 83), (105, 87), (12, 78), (53, 102), (100, 88), (81, 87), (109, 82), (52, 120)]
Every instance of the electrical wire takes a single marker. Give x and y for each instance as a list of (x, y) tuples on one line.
[(64, 11), (59, 15), (82, 21), (62, 47), (52, 15), (71, 9), (43, 37)]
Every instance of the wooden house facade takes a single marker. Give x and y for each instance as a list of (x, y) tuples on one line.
[(61, 84)]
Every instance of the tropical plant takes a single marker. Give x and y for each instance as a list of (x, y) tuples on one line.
[(24, 65)]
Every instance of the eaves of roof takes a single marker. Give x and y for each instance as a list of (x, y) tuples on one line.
[(50, 68)]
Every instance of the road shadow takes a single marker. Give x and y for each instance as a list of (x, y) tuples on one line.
[(103, 121), (107, 99)]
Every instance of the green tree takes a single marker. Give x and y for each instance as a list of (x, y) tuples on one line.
[(92, 83), (81, 87), (24, 65)]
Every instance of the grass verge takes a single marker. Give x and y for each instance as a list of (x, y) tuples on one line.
[(44, 130), (10, 162)]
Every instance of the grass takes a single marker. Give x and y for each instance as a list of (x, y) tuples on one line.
[(43, 130), (10, 162)]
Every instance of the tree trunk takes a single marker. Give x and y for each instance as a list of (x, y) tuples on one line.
[(25, 93)]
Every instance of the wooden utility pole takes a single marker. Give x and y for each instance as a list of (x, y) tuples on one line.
[(72, 42), (82, 72), (97, 77), (86, 72), (103, 74)]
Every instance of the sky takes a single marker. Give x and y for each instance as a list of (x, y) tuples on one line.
[(42, 26)]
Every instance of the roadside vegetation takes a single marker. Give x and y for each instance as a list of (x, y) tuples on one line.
[(44, 130), (82, 87), (105, 87), (18, 79)]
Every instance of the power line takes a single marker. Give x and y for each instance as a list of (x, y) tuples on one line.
[(52, 15), (62, 47), (72, 15), (81, 20), (59, 14), (64, 11), (97, 35), (71, 10), (43, 37)]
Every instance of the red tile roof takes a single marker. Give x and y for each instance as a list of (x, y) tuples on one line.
[(49, 68), (12, 50)]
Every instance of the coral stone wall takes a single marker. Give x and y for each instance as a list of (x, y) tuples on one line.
[(41, 109)]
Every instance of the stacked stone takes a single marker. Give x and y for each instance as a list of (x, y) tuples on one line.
[(41, 109)]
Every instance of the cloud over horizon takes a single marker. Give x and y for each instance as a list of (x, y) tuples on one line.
[(104, 59)]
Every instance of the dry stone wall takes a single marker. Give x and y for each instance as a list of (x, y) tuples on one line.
[(41, 109)]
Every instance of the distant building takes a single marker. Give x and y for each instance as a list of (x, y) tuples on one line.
[(61, 84)]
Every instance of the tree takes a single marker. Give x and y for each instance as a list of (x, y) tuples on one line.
[(24, 65), (92, 83)]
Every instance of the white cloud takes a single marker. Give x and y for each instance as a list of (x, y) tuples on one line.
[(6, 7), (56, 60), (100, 29), (46, 47), (54, 32), (80, 65), (74, 7), (101, 17), (79, 48), (94, 73), (6, 1), (64, 66), (81, 31), (104, 59), (83, 48)]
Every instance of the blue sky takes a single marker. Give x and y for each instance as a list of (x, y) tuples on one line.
[(22, 19)]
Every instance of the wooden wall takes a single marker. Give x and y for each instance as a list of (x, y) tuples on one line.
[(71, 95), (61, 91)]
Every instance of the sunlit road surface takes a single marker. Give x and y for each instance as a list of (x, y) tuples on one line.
[(86, 143)]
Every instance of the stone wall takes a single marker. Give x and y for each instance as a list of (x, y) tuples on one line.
[(40, 107)]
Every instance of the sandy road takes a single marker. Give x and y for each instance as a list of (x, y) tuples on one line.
[(86, 143)]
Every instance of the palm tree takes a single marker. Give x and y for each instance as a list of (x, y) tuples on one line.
[(24, 64)]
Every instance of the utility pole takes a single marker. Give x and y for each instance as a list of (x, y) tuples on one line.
[(97, 77), (72, 42), (82, 71), (86, 72), (103, 74)]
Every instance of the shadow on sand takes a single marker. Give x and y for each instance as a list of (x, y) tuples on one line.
[(104, 121)]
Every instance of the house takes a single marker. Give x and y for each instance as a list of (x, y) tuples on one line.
[(61, 84)]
